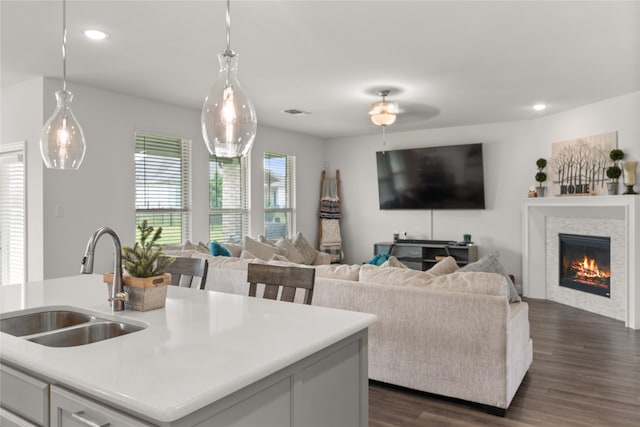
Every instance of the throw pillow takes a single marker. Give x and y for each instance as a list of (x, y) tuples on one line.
[(259, 249), (393, 262), (234, 248), (378, 259), (307, 251), (266, 241), (445, 266), (393, 276), (293, 254), (216, 249), (247, 255), (490, 264)]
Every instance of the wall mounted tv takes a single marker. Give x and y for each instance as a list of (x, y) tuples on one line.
[(447, 177)]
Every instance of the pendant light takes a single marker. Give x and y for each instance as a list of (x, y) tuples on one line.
[(228, 117), (62, 143)]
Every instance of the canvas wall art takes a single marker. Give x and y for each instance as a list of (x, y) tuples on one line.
[(578, 166)]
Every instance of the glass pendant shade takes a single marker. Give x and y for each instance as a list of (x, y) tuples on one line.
[(228, 117), (383, 113), (62, 143)]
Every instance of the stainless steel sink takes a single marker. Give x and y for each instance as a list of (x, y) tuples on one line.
[(45, 321), (85, 334), (64, 326)]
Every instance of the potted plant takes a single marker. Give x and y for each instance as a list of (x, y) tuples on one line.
[(541, 176), (145, 279), (614, 171)]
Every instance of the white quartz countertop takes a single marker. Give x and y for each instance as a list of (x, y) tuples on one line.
[(199, 348)]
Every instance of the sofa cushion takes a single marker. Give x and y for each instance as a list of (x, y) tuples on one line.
[(293, 254), (444, 266), (470, 283), (339, 271), (322, 258), (260, 250), (393, 262), (234, 248), (393, 276), (307, 251), (200, 247), (490, 264)]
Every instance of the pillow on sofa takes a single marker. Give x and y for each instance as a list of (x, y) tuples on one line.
[(307, 251), (378, 259), (216, 249), (471, 283), (339, 271), (490, 264), (200, 247), (444, 266), (234, 248), (247, 255), (393, 262), (293, 254), (393, 276), (260, 250)]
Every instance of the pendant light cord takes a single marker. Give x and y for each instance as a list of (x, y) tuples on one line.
[(229, 52), (64, 45)]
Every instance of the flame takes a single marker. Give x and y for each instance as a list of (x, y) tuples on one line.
[(588, 269)]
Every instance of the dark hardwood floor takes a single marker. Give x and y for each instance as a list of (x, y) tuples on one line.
[(585, 372)]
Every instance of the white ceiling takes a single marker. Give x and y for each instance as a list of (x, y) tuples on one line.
[(451, 63)]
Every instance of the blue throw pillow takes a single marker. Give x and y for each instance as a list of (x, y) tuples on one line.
[(378, 259), (216, 249)]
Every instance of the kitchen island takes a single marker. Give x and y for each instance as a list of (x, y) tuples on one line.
[(206, 357)]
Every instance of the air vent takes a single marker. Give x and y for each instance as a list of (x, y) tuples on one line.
[(295, 111)]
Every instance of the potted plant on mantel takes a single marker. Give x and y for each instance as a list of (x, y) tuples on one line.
[(614, 171), (541, 176), (145, 279)]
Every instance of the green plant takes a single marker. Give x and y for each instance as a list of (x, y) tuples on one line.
[(541, 176), (614, 172), (616, 154), (141, 260), (541, 163)]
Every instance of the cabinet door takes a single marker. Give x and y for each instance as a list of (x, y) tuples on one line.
[(24, 395), (70, 409)]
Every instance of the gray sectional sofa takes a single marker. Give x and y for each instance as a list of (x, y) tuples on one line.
[(449, 333)]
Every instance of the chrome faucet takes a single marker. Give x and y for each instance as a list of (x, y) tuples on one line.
[(118, 295)]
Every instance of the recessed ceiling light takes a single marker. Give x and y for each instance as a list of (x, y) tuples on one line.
[(539, 107), (96, 34)]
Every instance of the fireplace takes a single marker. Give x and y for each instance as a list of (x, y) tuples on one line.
[(585, 263)]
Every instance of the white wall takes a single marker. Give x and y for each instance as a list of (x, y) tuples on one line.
[(21, 120), (510, 152), (102, 191)]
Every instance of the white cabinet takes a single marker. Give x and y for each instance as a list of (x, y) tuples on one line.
[(70, 409), (23, 398)]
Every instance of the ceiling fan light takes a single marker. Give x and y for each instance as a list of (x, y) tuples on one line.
[(383, 113)]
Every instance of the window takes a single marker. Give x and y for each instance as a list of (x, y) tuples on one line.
[(279, 195), (12, 214), (163, 185), (228, 208)]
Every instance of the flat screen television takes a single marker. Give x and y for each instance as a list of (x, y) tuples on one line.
[(447, 177)]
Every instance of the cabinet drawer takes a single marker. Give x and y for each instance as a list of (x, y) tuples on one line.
[(24, 395), (9, 419), (71, 409)]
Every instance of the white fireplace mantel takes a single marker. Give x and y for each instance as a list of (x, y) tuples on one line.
[(534, 218)]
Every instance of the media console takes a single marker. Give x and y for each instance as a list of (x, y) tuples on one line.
[(424, 254)]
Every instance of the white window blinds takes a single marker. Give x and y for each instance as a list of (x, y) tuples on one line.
[(12, 214), (163, 185), (279, 195), (228, 207)]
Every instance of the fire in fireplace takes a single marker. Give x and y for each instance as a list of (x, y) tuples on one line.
[(585, 263)]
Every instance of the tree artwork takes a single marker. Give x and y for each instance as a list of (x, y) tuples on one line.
[(579, 166)]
